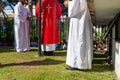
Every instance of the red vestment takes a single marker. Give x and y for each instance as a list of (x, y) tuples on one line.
[(51, 11)]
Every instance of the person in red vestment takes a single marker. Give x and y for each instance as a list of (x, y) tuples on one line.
[(51, 12)]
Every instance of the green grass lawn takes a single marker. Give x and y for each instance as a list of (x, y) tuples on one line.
[(25, 66)]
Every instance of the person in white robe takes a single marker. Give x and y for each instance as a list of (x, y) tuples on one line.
[(79, 51), (21, 27)]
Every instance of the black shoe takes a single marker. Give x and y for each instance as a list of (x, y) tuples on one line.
[(48, 53), (71, 68), (1, 65)]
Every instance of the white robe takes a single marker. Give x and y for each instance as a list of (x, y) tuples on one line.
[(21, 28), (79, 52), (48, 47)]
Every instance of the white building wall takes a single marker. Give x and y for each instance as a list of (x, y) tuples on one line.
[(116, 54), (117, 58)]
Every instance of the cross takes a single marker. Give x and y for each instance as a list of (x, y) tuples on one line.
[(48, 7)]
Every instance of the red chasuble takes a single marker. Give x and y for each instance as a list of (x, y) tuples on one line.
[(51, 11)]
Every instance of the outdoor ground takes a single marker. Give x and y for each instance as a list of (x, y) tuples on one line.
[(25, 66)]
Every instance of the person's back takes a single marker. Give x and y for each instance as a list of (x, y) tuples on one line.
[(79, 52)]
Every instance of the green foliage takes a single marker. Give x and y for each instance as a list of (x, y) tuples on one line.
[(98, 34), (63, 28), (33, 29), (7, 30)]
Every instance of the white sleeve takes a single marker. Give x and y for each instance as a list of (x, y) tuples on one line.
[(20, 13), (77, 7)]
